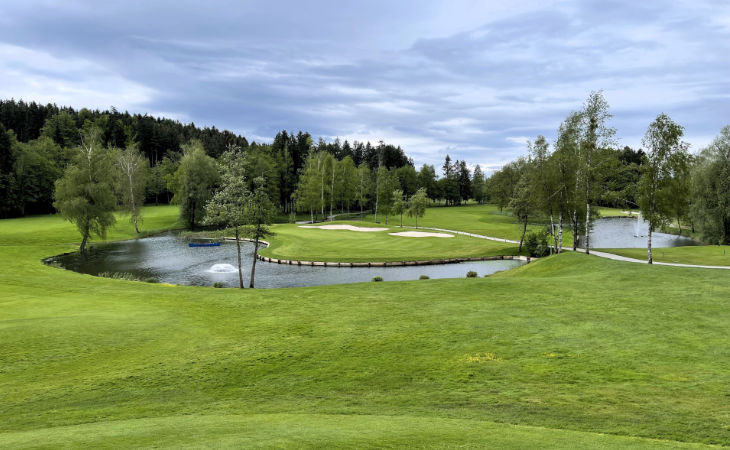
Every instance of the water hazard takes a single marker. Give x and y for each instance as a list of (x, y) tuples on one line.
[(622, 232), (168, 259)]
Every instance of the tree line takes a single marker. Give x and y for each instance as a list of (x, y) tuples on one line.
[(38, 142), (128, 160), (584, 169)]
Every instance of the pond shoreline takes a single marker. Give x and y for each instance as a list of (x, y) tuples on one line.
[(429, 262)]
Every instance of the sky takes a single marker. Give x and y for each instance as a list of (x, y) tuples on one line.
[(472, 79)]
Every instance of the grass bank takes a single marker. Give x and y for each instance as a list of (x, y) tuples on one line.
[(709, 255), (569, 351), (295, 242)]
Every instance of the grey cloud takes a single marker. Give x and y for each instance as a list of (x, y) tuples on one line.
[(371, 71)]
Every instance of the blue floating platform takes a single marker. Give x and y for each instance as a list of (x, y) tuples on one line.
[(211, 244)]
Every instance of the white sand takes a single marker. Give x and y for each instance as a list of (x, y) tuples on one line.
[(420, 234), (343, 227)]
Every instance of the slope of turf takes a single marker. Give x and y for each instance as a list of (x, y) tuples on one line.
[(487, 220), (708, 255), (567, 343), (294, 242), (320, 431)]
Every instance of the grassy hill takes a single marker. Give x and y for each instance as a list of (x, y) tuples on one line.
[(570, 351)]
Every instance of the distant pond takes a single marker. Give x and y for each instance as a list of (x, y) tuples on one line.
[(168, 259), (620, 232)]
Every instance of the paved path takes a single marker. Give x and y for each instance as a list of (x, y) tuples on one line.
[(643, 261), (593, 252)]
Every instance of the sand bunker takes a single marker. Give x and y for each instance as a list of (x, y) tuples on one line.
[(343, 227), (421, 234)]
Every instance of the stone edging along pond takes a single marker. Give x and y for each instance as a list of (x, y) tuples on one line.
[(428, 262)]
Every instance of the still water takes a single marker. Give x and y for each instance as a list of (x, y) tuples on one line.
[(622, 232), (168, 259)]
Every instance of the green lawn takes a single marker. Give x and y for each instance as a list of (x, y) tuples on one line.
[(569, 351), (709, 255), (616, 212), (294, 242), (480, 219), (487, 220)]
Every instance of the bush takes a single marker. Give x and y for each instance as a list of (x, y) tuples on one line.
[(424, 277), (377, 279), (536, 244), (219, 284), (150, 280), (119, 276), (471, 274)]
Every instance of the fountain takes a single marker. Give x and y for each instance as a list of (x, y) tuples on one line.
[(641, 227), (222, 268)]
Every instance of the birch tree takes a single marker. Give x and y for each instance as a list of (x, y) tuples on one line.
[(397, 206), (364, 186), (84, 195), (596, 135), (662, 141), (228, 205), (417, 204), (567, 160), (259, 215), (132, 166)]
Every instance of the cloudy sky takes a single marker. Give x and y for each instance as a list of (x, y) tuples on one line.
[(473, 79)]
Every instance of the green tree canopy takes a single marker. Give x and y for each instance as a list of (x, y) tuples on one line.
[(85, 194), (193, 182), (662, 142), (259, 215), (417, 204), (397, 205), (228, 206), (132, 172), (710, 208)]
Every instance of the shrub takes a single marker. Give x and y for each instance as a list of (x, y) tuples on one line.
[(119, 276), (150, 280), (536, 244), (424, 277), (377, 279), (219, 284), (471, 274)]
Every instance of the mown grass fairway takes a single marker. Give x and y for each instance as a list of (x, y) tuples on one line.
[(294, 242), (708, 255), (479, 219), (569, 351)]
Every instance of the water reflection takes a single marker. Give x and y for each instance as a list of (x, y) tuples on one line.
[(622, 232), (168, 259)]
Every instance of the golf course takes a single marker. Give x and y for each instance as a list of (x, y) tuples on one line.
[(313, 244), (568, 351)]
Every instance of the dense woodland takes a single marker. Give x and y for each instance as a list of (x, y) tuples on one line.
[(50, 157)]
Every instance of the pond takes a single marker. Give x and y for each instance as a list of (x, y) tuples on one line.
[(168, 259), (624, 232)]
